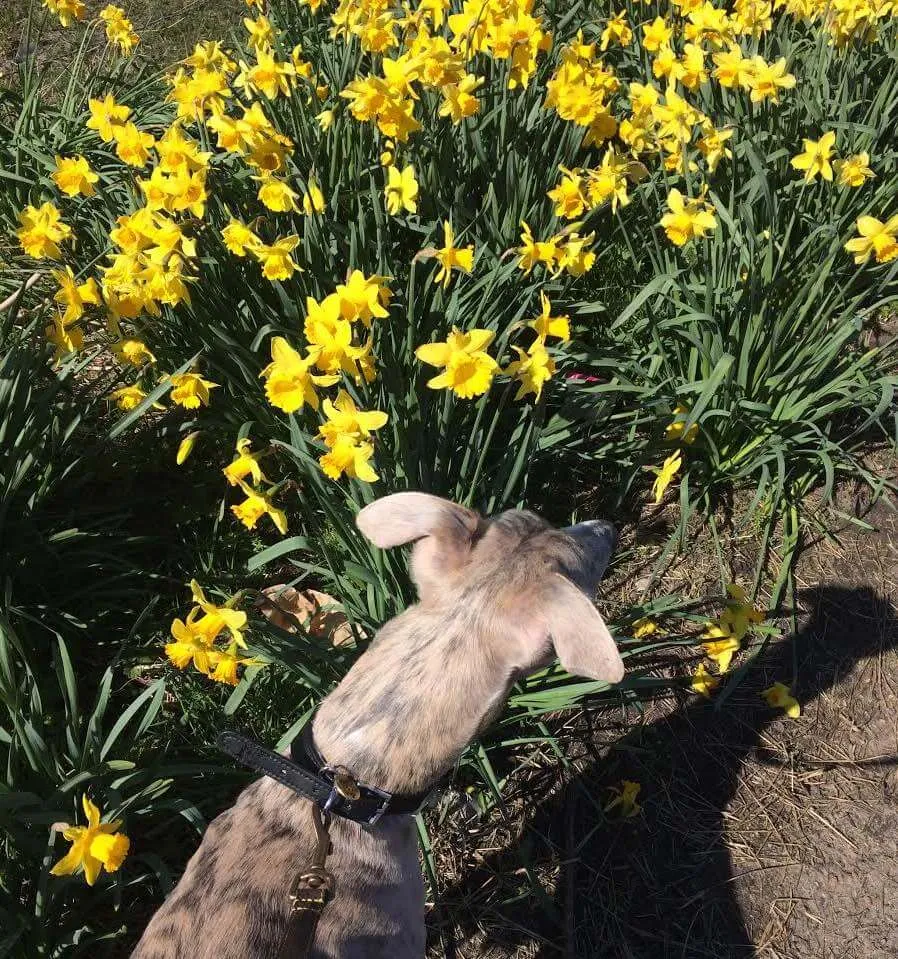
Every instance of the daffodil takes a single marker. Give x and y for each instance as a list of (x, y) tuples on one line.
[(216, 618), (276, 259), (119, 29), (277, 195), (452, 257), (127, 398), (225, 663), (624, 799), (656, 34), (239, 238), (720, 647), (66, 338), (133, 145), (330, 336), (74, 296), (190, 390), (74, 176), (703, 682), (68, 11), (617, 31), (401, 191), (289, 381), (134, 352), (765, 80), (363, 297), (853, 171), (532, 369), (244, 464), (688, 218), (256, 505), (732, 68), (468, 370), (666, 473), (533, 251), (814, 161), (547, 325), (41, 231), (191, 644), (107, 117), (877, 238), (644, 627), (351, 456), (568, 195), (676, 429), (459, 98), (186, 447), (313, 200), (96, 846), (343, 418), (779, 696)]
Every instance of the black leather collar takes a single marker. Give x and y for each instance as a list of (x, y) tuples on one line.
[(309, 776)]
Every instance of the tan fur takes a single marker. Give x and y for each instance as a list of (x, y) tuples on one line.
[(497, 600)]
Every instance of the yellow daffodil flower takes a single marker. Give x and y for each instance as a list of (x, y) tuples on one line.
[(74, 176), (688, 219), (244, 464), (656, 35), (547, 325), (134, 352), (192, 644), (216, 618), (330, 336), (732, 68), (401, 191), (190, 390), (468, 370), (255, 506), (815, 158), (532, 369), (239, 238), (349, 455), (703, 682), (68, 11), (119, 29), (617, 31), (624, 799), (877, 238), (721, 649), (313, 200), (452, 257), (74, 296), (107, 117), (343, 418), (41, 231), (127, 398), (96, 846), (289, 382), (666, 473), (644, 627), (363, 297), (459, 100), (853, 171), (186, 447), (277, 195), (67, 339), (779, 696), (765, 80), (277, 263), (676, 429)]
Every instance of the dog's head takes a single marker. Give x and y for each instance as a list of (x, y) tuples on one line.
[(531, 583)]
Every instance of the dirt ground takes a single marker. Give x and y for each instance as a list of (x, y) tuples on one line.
[(760, 837)]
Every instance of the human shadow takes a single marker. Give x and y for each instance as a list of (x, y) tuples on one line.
[(660, 884)]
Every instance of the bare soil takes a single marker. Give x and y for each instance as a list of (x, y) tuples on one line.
[(760, 837)]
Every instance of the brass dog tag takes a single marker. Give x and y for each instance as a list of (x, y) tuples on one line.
[(346, 786)]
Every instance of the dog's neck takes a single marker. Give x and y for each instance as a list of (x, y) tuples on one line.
[(409, 706)]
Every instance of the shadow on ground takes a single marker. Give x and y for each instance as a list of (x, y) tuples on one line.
[(666, 883)]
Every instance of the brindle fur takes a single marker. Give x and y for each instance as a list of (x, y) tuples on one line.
[(494, 596)]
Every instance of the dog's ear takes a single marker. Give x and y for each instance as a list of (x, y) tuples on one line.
[(566, 616), (442, 532)]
